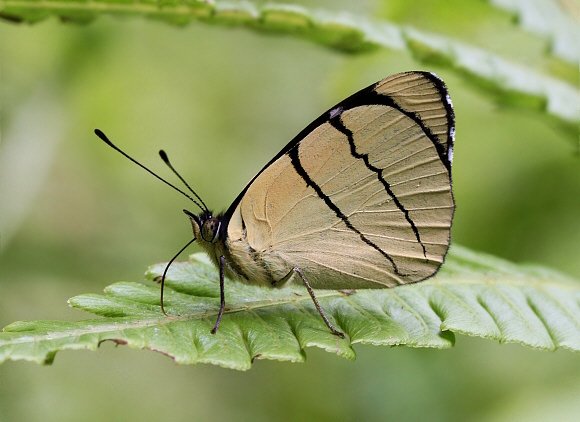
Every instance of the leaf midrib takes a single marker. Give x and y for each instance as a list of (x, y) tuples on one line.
[(138, 322)]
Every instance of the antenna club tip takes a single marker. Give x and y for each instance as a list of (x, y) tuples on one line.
[(101, 135), (163, 156)]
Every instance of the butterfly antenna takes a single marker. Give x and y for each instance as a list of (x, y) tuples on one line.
[(165, 159), (106, 140), (167, 268)]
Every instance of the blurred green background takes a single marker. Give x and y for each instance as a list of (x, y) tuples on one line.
[(75, 216)]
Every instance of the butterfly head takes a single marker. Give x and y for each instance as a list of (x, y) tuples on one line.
[(205, 226)]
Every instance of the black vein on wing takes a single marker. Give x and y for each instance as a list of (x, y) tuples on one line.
[(444, 148), (338, 124), (376, 98), (295, 159)]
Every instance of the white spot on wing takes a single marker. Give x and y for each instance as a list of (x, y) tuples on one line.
[(448, 99), (335, 112)]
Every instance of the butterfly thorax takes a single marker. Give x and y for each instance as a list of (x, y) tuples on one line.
[(242, 261)]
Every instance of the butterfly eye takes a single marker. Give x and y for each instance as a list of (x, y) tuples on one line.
[(209, 229)]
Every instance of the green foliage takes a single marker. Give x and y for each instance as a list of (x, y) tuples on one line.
[(509, 82), (546, 17), (474, 295)]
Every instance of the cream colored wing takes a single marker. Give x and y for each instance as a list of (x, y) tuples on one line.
[(362, 200)]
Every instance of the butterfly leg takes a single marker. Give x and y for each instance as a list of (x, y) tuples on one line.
[(331, 327), (282, 282), (222, 297)]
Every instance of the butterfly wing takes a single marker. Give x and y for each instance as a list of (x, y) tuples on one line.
[(360, 199)]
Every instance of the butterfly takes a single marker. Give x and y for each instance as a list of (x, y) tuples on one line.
[(361, 198)]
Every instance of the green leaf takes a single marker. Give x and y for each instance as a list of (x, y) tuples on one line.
[(508, 82), (474, 295), (549, 19)]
